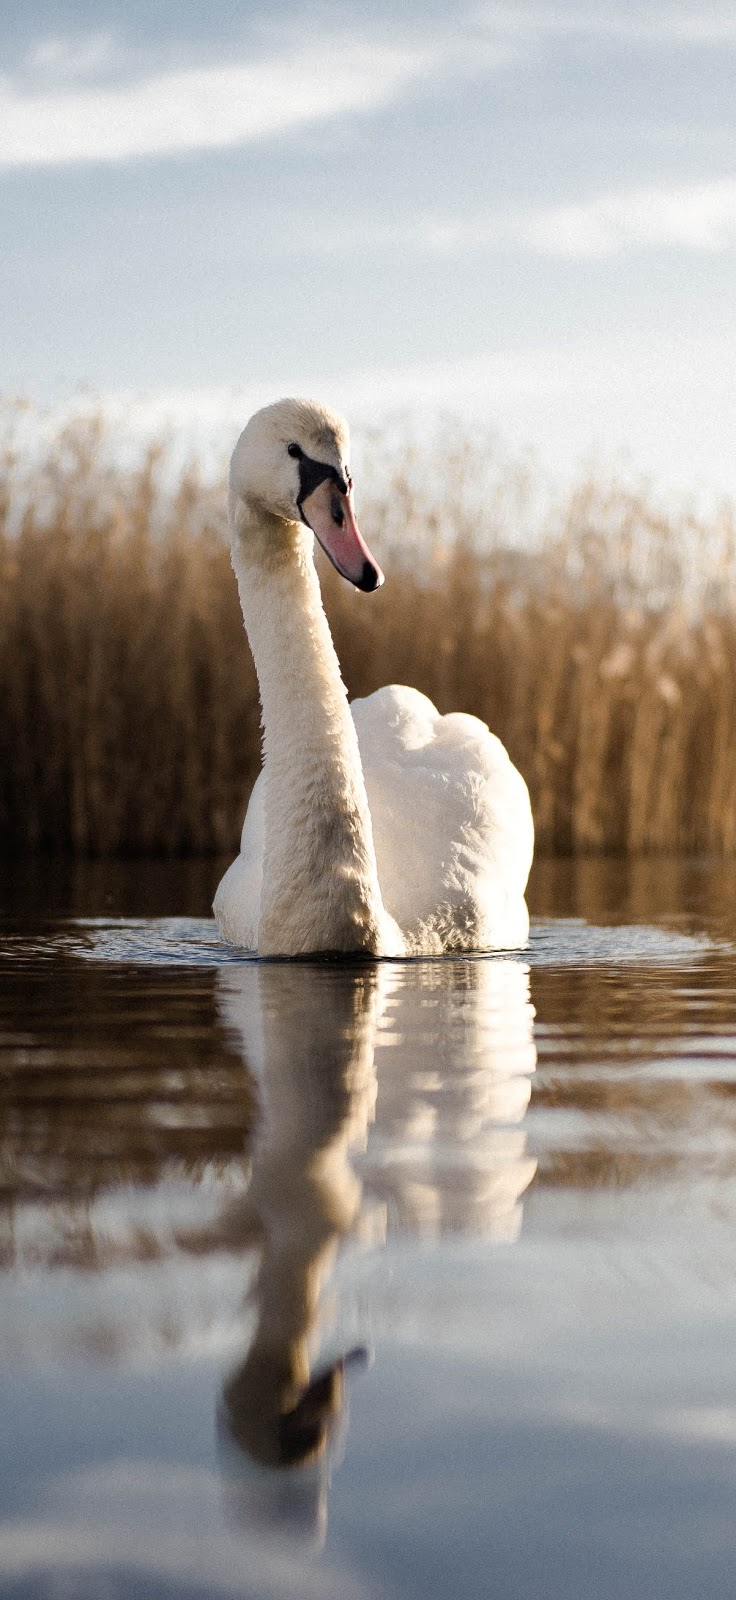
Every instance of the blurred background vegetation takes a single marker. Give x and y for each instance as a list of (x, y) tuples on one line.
[(595, 633)]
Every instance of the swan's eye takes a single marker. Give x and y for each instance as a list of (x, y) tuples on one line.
[(296, 451), (337, 513)]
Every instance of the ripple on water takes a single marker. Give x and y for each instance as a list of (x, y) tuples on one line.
[(195, 942), (191, 941), (573, 942)]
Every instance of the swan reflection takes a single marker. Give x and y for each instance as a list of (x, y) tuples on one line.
[(390, 1098), (309, 1043), (454, 1058)]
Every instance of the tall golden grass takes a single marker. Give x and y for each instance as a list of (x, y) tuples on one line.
[(600, 646)]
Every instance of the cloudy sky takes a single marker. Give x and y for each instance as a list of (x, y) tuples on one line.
[(523, 212)]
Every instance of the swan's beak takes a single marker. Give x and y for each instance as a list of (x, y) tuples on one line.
[(331, 518)]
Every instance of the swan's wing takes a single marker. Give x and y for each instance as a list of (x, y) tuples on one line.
[(451, 823), (237, 903)]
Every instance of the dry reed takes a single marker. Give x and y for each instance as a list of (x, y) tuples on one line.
[(601, 650)]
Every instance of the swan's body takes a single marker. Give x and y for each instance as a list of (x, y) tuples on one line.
[(388, 831)]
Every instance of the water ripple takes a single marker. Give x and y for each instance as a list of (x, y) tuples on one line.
[(573, 942), (192, 941)]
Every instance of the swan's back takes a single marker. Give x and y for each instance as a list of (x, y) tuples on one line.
[(452, 828), (452, 823)]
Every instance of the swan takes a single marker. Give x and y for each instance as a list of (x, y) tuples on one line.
[(380, 828)]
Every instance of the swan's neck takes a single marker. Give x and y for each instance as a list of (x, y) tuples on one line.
[(320, 881)]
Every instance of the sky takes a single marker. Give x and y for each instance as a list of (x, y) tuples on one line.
[(521, 214)]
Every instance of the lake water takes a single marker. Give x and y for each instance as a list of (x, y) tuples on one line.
[(363, 1281)]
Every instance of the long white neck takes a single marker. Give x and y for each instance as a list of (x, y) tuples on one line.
[(320, 880)]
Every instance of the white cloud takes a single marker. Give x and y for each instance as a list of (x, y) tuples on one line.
[(700, 216), (693, 217), (59, 56), (62, 120), (662, 25), (206, 108)]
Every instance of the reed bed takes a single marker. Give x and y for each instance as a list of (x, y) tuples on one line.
[(596, 636)]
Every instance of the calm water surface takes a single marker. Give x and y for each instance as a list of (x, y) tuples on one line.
[(414, 1279)]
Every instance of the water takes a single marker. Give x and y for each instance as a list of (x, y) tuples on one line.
[(413, 1279)]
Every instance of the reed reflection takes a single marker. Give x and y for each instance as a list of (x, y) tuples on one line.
[(393, 1093)]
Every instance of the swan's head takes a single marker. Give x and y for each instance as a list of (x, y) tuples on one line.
[(291, 462)]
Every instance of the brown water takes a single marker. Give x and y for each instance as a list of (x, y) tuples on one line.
[(413, 1279)]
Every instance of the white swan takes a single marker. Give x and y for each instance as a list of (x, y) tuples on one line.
[(390, 831)]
